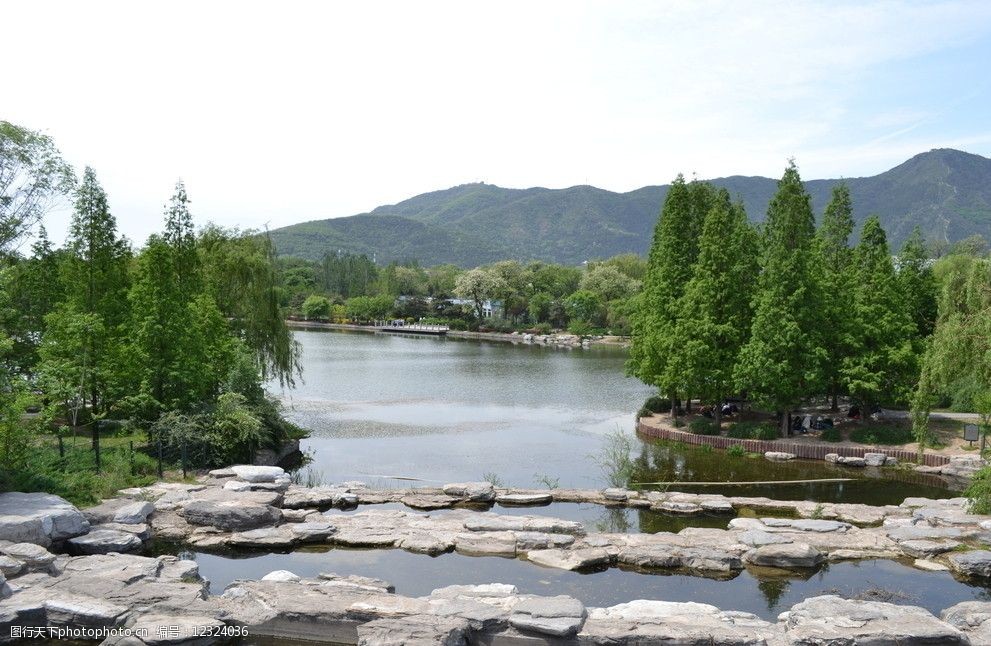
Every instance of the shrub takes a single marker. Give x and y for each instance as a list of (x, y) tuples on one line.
[(657, 404), (542, 328), (644, 412), (737, 451), (703, 426), (677, 422), (831, 435), (979, 492), (882, 435), (753, 431)]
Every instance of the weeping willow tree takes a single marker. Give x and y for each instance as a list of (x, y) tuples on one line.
[(960, 347), (240, 272)]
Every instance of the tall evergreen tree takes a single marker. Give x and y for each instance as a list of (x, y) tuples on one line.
[(83, 346), (181, 238), (779, 365), (882, 363), (716, 306), (917, 284), (836, 282), (669, 268)]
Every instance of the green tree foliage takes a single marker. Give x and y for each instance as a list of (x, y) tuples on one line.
[(669, 268), (347, 275), (478, 285), (881, 366), (779, 365), (240, 274), (609, 282), (716, 306), (918, 284), (33, 176), (586, 307), (835, 273), (316, 307)]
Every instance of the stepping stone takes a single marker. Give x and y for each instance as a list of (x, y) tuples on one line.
[(524, 499), (557, 616)]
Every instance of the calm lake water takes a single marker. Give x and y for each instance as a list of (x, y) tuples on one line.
[(383, 408), (762, 593)]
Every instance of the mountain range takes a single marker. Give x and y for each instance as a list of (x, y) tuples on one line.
[(944, 191)]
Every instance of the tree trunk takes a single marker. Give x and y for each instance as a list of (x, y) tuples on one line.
[(688, 404), (674, 405), (836, 403), (717, 415), (783, 421)]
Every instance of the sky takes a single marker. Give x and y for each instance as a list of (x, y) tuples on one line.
[(276, 113)]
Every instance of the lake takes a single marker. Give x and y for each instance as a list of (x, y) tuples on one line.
[(404, 410)]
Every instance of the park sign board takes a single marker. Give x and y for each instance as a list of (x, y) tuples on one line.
[(970, 432)]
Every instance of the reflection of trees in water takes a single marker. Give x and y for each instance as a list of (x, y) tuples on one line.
[(773, 590), (613, 520)]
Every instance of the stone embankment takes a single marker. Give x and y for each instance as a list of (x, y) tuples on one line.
[(62, 567)]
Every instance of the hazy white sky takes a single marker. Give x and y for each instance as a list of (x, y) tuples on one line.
[(281, 112)]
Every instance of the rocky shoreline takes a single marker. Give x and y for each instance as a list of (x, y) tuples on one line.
[(64, 567)]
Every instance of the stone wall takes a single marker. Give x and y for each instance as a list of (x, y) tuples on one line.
[(808, 451)]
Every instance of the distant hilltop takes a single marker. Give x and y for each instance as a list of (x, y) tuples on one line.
[(946, 192)]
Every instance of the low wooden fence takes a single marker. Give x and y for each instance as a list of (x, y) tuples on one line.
[(809, 451)]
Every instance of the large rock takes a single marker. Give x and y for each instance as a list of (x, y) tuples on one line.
[(253, 473), (425, 630), (39, 518), (265, 537), (524, 499), (972, 563), (430, 503), (497, 523), (875, 459), (645, 622), (785, 555), (104, 541), (11, 567), (779, 455), (230, 515), (486, 543), (34, 556), (702, 559), (834, 620), (557, 616), (319, 497), (471, 491), (852, 461), (972, 618), (573, 559), (134, 513)]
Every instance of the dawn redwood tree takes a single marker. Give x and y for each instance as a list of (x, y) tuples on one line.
[(673, 252), (779, 365), (834, 268), (716, 306), (96, 307), (917, 284), (881, 366)]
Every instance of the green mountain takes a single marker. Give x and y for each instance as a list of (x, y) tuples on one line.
[(946, 192)]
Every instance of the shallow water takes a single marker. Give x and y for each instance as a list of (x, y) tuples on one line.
[(763, 594), (436, 410)]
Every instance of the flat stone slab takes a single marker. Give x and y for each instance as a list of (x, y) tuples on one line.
[(574, 559), (428, 503), (134, 513), (104, 541), (785, 555), (471, 491), (778, 455), (560, 616), (253, 473), (972, 563), (486, 543), (34, 556), (524, 499), (230, 515), (175, 629), (414, 631), (833, 620), (39, 518)]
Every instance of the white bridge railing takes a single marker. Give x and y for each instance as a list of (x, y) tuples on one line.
[(411, 327)]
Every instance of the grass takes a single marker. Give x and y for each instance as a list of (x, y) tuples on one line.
[(753, 431), (832, 434), (888, 435), (703, 426), (737, 451)]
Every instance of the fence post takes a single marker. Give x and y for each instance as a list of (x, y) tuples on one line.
[(160, 473), (184, 459)]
